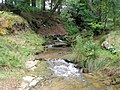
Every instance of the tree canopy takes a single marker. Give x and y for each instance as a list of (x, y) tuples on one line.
[(98, 15)]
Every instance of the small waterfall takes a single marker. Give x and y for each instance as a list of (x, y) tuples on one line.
[(62, 68), (59, 39)]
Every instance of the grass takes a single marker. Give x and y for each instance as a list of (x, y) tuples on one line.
[(11, 73), (83, 51), (71, 28), (15, 49), (89, 55)]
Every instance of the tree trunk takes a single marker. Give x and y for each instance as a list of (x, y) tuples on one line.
[(27, 2), (51, 4), (2, 1), (5, 1), (53, 10), (56, 6), (99, 11), (43, 5), (34, 3), (105, 19), (9, 2), (60, 6)]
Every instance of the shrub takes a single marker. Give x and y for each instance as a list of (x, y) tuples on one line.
[(83, 50), (71, 28), (26, 8), (97, 28), (88, 55)]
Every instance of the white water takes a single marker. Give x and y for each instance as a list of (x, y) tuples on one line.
[(62, 68)]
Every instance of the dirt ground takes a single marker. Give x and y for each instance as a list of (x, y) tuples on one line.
[(9, 84)]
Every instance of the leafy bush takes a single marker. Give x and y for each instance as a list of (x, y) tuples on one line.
[(77, 11), (97, 27), (26, 8), (83, 51), (88, 55), (71, 28)]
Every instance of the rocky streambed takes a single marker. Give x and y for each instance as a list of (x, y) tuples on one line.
[(49, 71)]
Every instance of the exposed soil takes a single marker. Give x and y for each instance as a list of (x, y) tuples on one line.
[(54, 30), (60, 84), (9, 84), (51, 27)]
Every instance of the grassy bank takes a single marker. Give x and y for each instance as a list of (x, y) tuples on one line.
[(16, 49), (89, 55)]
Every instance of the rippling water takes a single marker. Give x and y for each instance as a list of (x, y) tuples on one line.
[(67, 76), (62, 68)]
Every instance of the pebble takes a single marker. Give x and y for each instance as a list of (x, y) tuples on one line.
[(34, 82), (28, 78), (30, 64)]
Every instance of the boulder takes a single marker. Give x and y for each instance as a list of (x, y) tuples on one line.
[(106, 45)]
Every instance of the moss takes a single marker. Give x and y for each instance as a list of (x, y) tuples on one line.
[(41, 70)]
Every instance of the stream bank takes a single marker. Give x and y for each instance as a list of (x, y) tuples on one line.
[(39, 71), (50, 71)]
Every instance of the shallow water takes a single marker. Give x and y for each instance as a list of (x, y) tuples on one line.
[(65, 75), (54, 53), (62, 68)]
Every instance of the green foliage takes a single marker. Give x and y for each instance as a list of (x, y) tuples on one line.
[(83, 50), (6, 56), (98, 16), (26, 8), (97, 27), (34, 41), (71, 28), (92, 57), (67, 17), (79, 13), (15, 50), (104, 59), (7, 73), (75, 8), (8, 20)]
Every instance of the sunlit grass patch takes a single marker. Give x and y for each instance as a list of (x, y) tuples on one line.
[(15, 49), (8, 73)]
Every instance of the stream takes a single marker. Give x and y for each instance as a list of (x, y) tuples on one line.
[(50, 71)]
